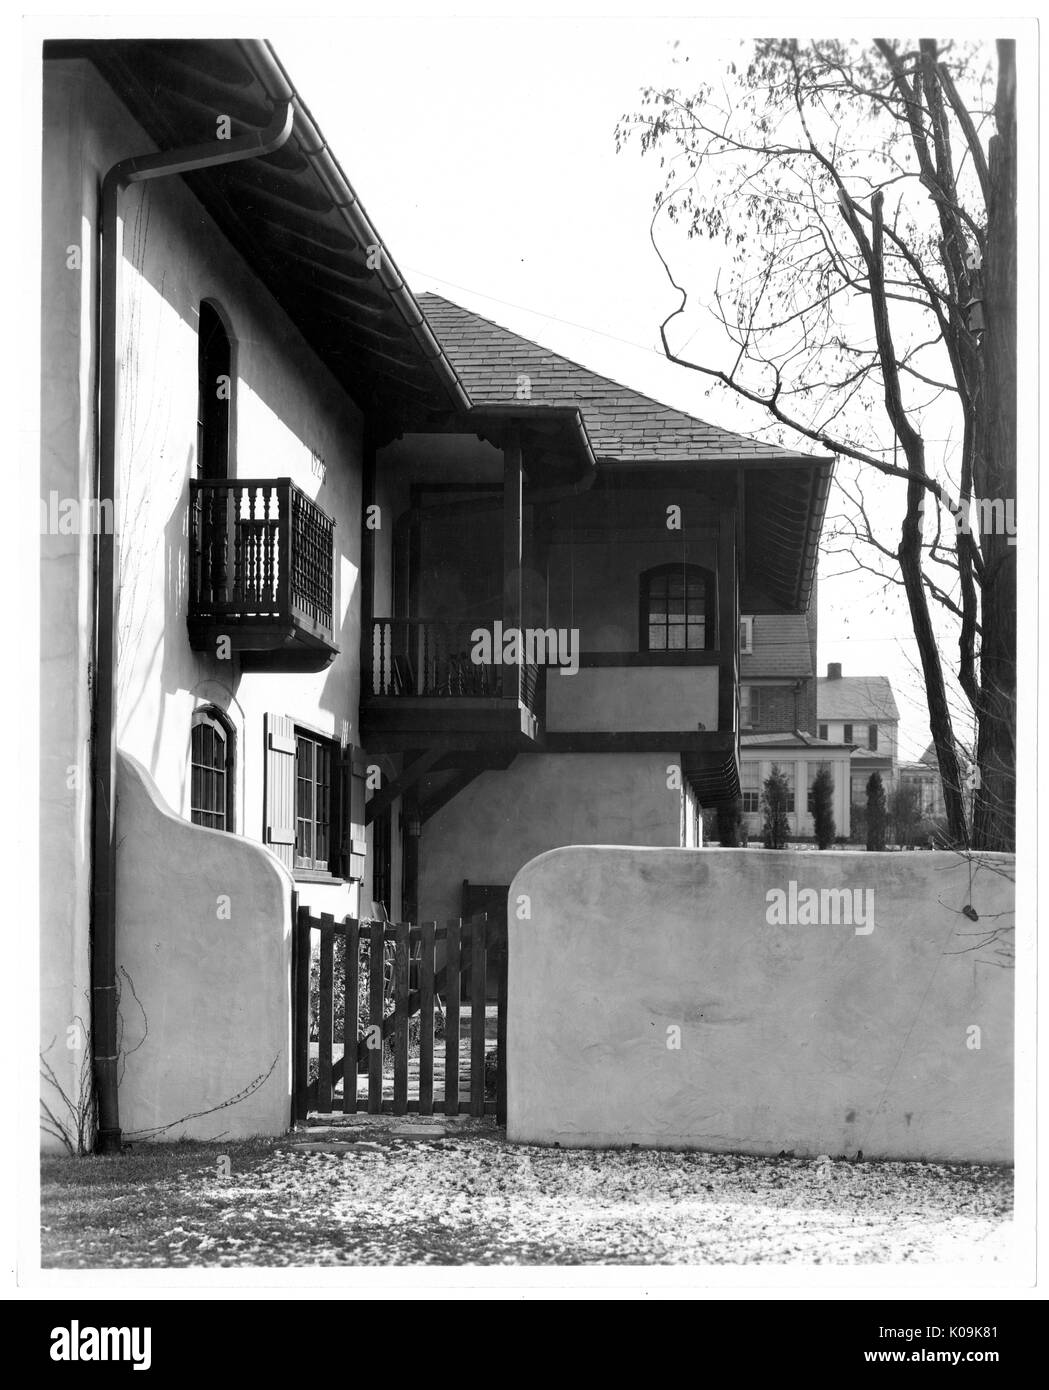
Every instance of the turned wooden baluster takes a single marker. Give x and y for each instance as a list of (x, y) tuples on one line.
[(269, 547)]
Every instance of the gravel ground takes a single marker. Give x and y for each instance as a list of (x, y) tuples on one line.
[(384, 1198)]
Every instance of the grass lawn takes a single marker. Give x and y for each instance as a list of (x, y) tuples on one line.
[(472, 1198)]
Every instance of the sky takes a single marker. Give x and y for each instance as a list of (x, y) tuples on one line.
[(484, 153)]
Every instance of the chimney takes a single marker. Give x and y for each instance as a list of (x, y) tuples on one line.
[(834, 670)]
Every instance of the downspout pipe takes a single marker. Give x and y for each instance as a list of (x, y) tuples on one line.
[(103, 884)]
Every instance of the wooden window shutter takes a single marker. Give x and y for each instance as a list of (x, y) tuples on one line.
[(279, 810), (353, 842)]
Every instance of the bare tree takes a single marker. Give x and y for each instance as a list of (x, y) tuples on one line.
[(866, 194)]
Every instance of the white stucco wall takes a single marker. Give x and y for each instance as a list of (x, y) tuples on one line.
[(808, 1038), (503, 818), (636, 698), (204, 969), (287, 409)]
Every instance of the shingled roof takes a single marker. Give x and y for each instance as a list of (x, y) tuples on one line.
[(624, 426), (863, 698), (780, 646)]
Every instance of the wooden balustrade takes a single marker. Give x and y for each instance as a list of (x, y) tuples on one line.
[(261, 560)]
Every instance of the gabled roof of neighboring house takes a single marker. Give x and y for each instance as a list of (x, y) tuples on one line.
[(794, 739), (785, 492), (863, 698), (780, 647)]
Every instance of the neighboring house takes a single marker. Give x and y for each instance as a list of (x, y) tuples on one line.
[(799, 756), (778, 719), (329, 494), (860, 710), (777, 671), (924, 777)]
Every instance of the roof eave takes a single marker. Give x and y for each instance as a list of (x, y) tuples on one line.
[(263, 60)]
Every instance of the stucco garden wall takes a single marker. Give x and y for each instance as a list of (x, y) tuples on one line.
[(652, 1001), (204, 966)]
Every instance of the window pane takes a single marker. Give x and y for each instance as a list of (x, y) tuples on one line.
[(676, 639), (657, 637)]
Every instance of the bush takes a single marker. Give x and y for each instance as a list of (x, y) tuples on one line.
[(823, 808), (774, 795), (729, 819), (875, 812), (905, 815)]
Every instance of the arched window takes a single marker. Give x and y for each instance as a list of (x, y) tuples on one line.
[(677, 609), (214, 394), (212, 783)]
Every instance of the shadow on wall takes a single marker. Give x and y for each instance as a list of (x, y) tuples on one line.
[(758, 1001), (204, 967)]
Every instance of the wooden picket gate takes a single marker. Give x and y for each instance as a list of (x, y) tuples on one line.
[(397, 962)]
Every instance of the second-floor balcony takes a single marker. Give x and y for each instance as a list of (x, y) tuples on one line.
[(422, 676), (261, 567)]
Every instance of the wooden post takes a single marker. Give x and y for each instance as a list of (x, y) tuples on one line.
[(728, 620), (513, 547)]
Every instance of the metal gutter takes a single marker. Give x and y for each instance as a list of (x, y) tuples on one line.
[(104, 1039)]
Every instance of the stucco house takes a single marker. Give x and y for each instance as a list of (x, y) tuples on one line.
[(389, 599)]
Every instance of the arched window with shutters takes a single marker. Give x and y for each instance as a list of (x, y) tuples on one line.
[(677, 609), (212, 769), (214, 394)]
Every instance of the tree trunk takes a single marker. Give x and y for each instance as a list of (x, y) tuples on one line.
[(994, 477)]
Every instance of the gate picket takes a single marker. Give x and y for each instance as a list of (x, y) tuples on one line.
[(478, 1001), (426, 1019), (400, 1026), (500, 1031), (302, 1014), (453, 985), (349, 1026), (327, 1011), (375, 964)]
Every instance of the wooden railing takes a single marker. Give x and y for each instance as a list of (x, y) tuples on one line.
[(427, 657), (260, 551)]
